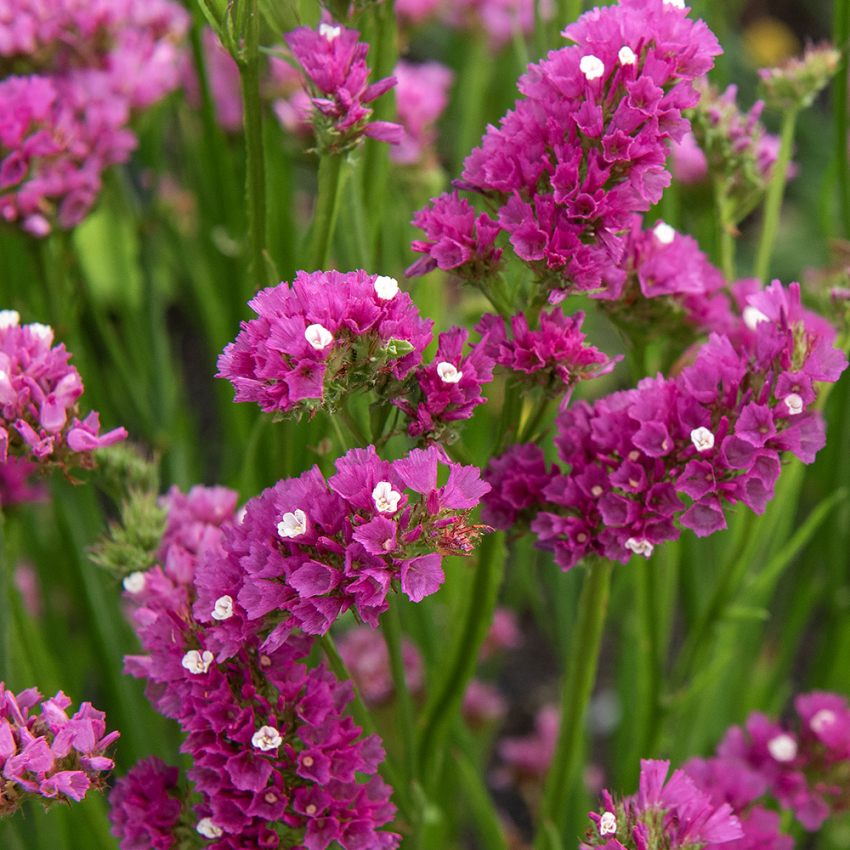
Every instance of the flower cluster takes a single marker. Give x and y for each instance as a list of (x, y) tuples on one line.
[(588, 144), (554, 357), (76, 74), (308, 549), (423, 93), (799, 81), (17, 485), (322, 338), (449, 388), (38, 399), (671, 814), (804, 771), (267, 738), (334, 62), (712, 434), (49, 755)]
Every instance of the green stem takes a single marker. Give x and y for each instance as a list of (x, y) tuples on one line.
[(567, 12), (5, 609), (775, 191), (351, 423), (255, 179), (841, 36), (536, 416), (726, 236), (332, 174), (575, 694)]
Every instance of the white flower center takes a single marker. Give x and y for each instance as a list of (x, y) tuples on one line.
[(664, 233), (752, 316), (640, 547), (386, 499), (9, 318), (134, 583), (592, 67), (703, 439), (794, 404), (783, 748), (223, 608), (292, 524), (608, 824), (318, 336), (448, 373), (208, 829), (386, 287), (626, 55), (822, 719), (266, 738), (329, 32), (196, 663), (43, 333)]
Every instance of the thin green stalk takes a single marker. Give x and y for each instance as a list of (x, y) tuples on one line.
[(5, 608), (575, 694), (255, 180), (841, 37), (537, 415), (332, 174), (726, 234), (472, 86), (352, 424), (775, 191)]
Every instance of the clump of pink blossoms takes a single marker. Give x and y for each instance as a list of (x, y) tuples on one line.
[(38, 399), (422, 95), (48, 755)]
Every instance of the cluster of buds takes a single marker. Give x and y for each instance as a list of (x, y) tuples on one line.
[(49, 756), (797, 83)]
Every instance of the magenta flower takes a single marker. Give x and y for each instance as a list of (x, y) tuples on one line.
[(422, 95), (17, 485)]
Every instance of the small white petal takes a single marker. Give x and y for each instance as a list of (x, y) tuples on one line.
[(783, 748), (664, 233), (292, 524), (386, 499), (626, 57), (822, 719), (592, 67), (329, 32), (223, 608), (266, 738), (794, 404), (386, 287), (9, 318), (239, 516), (448, 373), (134, 583), (208, 829), (752, 316), (702, 439), (196, 663), (608, 824), (44, 333), (678, 4), (640, 547), (318, 336)]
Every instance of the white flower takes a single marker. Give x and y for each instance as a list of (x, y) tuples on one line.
[(223, 608), (752, 316), (679, 4), (329, 32), (9, 318), (626, 55), (266, 738), (318, 336), (608, 824), (208, 829), (448, 373), (703, 439), (386, 287), (196, 663), (640, 547), (43, 333), (783, 748), (592, 67), (134, 583), (292, 524), (822, 719), (664, 233), (794, 404), (386, 499)]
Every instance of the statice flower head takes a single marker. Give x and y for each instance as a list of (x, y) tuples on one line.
[(223, 80), (676, 450), (326, 335), (526, 758), (554, 357), (309, 549), (500, 20), (798, 82), (689, 165), (587, 145), (449, 388), (46, 755), (422, 94), (74, 74), (671, 814), (38, 400), (334, 63), (17, 484)]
